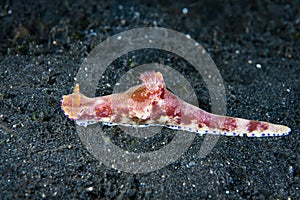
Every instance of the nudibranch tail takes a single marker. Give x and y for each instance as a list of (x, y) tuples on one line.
[(194, 119), (230, 126), (151, 104)]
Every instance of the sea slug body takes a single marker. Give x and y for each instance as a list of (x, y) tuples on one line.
[(151, 104)]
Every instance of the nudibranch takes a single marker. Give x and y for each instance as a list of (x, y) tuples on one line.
[(151, 104)]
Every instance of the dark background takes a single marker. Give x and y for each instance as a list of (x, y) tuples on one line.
[(43, 43)]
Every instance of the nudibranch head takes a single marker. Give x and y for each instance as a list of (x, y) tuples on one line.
[(71, 104)]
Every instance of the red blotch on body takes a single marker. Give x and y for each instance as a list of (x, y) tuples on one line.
[(229, 124), (162, 94), (200, 125), (140, 94), (254, 125), (154, 103), (203, 119), (264, 126), (103, 110), (173, 111), (172, 107)]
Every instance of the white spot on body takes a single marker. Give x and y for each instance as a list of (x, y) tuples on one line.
[(163, 119), (98, 102)]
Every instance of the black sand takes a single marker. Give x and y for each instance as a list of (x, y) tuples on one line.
[(255, 45)]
